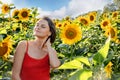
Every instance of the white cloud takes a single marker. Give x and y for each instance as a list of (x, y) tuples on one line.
[(55, 14), (18, 5), (43, 13), (76, 7), (59, 13), (7, 1)]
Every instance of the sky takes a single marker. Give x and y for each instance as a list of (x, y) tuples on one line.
[(60, 8)]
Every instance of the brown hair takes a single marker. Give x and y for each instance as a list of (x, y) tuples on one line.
[(52, 29)]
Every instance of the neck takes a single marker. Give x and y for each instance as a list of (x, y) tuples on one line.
[(39, 42)]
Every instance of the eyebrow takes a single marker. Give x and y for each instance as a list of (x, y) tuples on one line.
[(41, 24)]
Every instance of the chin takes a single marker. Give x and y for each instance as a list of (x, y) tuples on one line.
[(36, 35)]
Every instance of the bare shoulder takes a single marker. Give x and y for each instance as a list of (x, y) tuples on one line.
[(22, 43), (21, 47)]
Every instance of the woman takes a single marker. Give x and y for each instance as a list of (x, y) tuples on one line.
[(33, 59)]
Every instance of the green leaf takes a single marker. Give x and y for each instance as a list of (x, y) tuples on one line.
[(61, 55), (0, 77), (100, 56), (1, 2), (1, 38), (74, 64), (3, 31), (81, 75), (83, 60), (64, 46), (11, 5)]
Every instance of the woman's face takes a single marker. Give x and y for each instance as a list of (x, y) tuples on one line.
[(41, 29)]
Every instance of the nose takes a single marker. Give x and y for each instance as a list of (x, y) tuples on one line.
[(37, 28)]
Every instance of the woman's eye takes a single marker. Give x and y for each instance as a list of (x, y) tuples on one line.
[(43, 26)]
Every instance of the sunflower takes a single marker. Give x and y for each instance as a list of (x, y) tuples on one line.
[(92, 17), (105, 15), (112, 32), (108, 69), (24, 14), (83, 20), (65, 23), (15, 14), (5, 8), (115, 15), (5, 48), (67, 18), (70, 34), (117, 41), (105, 23), (58, 24)]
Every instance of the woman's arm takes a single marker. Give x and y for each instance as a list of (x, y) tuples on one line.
[(54, 61), (18, 59)]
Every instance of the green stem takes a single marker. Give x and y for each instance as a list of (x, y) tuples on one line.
[(72, 51), (10, 20), (3, 65)]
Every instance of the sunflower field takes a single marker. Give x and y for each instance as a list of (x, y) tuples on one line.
[(88, 45)]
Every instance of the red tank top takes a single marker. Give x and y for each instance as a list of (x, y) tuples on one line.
[(35, 69)]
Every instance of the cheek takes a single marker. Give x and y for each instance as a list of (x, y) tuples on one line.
[(35, 32), (45, 32)]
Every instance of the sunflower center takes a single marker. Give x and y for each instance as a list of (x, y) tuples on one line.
[(115, 15), (3, 49), (65, 24), (112, 32), (6, 8), (91, 18), (59, 25), (84, 21), (105, 23), (24, 14), (70, 33)]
